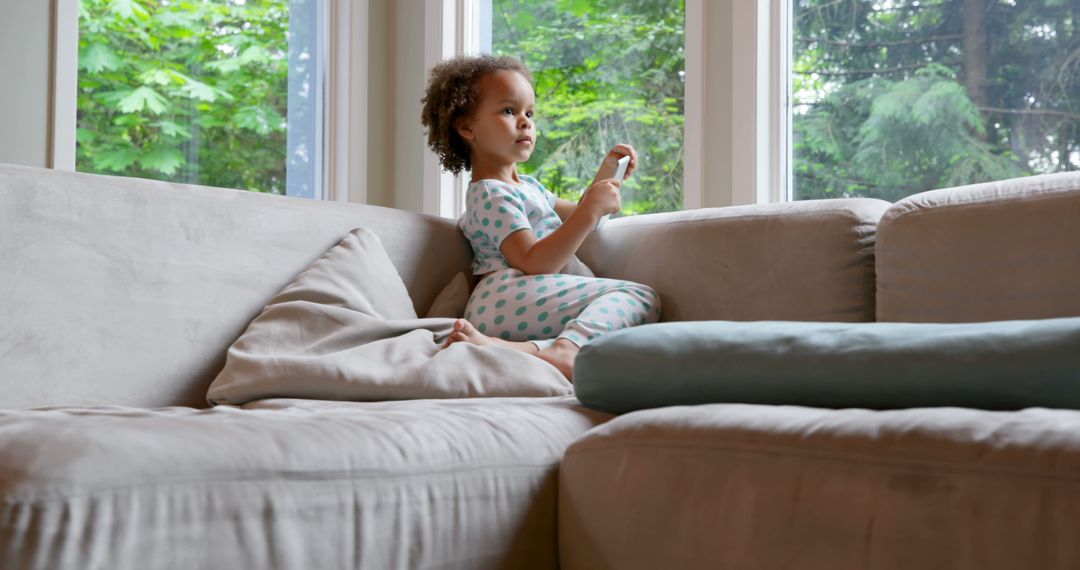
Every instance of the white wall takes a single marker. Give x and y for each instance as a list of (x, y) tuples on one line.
[(24, 81), (397, 79)]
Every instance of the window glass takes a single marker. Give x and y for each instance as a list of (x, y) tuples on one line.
[(894, 97), (215, 92), (605, 72)]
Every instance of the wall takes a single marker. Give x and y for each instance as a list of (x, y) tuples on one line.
[(24, 82)]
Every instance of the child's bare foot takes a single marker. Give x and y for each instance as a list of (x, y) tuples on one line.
[(465, 332), (561, 355)]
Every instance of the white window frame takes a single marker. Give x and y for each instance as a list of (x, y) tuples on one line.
[(752, 78), (344, 168), (451, 28)]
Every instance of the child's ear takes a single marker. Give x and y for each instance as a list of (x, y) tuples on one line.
[(464, 129)]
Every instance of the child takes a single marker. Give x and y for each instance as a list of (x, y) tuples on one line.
[(478, 112)]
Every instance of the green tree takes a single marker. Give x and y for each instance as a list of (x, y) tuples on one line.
[(191, 91), (901, 96), (605, 72)]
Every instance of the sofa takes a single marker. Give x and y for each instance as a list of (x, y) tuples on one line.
[(120, 299)]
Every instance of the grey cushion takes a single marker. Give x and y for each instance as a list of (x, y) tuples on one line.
[(993, 365)]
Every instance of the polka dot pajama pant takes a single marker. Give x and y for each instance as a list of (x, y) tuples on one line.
[(543, 308)]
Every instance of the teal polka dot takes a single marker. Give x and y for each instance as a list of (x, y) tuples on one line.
[(498, 223), (646, 305), (543, 316), (496, 240), (620, 312), (566, 319), (632, 302), (481, 310), (539, 278), (547, 330), (522, 326), (499, 319), (502, 288), (541, 289), (482, 327), (563, 292), (563, 306), (560, 283), (541, 302), (608, 325), (583, 297), (487, 205), (502, 209), (522, 283), (486, 222), (486, 195), (500, 303), (485, 295), (504, 277), (520, 311), (505, 335), (533, 337), (489, 281), (582, 286), (519, 296)]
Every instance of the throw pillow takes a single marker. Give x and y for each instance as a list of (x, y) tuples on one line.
[(993, 365), (345, 329), (451, 301)]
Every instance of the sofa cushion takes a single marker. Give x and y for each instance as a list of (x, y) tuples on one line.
[(995, 365), (995, 251), (345, 329), (779, 487), (286, 484)]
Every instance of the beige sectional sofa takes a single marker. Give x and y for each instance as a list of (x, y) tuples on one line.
[(119, 298)]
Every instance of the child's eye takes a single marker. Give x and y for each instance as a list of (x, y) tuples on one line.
[(529, 114), (509, 110)]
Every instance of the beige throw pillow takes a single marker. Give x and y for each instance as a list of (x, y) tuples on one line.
[(451, 301), (345, 329)]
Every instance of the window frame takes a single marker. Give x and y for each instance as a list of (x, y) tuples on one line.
[(344, 118), (750, 72)]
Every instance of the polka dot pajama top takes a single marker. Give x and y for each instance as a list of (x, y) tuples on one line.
[(540, 308)]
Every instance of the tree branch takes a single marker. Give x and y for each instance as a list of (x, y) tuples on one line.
[(1050, 112), (885, 70), (842, 43)]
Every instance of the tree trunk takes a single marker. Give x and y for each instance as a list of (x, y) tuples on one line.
[(975, 52)]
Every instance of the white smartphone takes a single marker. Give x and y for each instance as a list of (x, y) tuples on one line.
[(620, 172)]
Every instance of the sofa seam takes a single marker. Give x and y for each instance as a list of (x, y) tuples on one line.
[(854, 459)]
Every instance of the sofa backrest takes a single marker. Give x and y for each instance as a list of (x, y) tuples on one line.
[(127, 291), (801, 261), (996, 251)]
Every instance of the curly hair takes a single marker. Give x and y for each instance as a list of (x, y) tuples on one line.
[(452, 95)]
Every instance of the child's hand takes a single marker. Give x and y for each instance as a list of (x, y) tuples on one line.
[(602, 198), (608, 165)]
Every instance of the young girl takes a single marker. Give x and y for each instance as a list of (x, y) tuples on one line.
[(478, 112)]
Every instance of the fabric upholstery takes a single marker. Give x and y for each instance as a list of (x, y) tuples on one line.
[(799, 261), (996, 251), (126, 291), (778, 487), (286, 484), (993, 365), (345, 329)]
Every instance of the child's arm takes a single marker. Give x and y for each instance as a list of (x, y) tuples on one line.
[(548, 255)]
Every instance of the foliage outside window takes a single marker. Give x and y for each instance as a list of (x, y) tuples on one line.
[(189, 91), (894, 97), (605, 72)]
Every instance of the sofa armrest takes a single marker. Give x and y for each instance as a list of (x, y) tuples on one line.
[(995, 251), (804, 261)]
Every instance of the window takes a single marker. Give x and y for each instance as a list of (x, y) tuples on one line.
[(223, 93), (894, 97), (605, 72)]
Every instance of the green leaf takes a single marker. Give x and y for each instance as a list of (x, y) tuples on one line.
[(143, 98), (98, 57), (115, 160), (128, 9), (163, 159)]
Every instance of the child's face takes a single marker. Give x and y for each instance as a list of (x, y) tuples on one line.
[(501, 130)]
